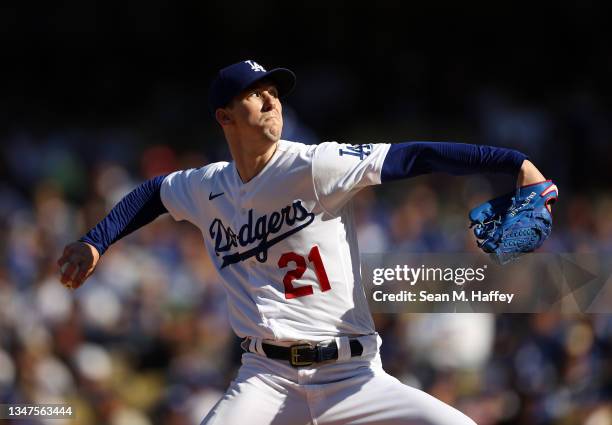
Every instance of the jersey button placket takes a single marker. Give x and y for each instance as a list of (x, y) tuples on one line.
[(244, 212), (238, 210), (243, 203), (240, 215)]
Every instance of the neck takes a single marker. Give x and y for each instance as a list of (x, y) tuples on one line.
[(249, 162)]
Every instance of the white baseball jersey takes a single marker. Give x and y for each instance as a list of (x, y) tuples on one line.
[(284, 243)]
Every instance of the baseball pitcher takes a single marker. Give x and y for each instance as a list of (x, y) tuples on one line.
[(277, 223)]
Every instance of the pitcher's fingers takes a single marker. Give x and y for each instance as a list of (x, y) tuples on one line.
[(62, 259), (68, 249), (66, 254), (80, 277), (68, 272)]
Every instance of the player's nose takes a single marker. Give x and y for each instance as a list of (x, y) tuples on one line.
[(268, 101)]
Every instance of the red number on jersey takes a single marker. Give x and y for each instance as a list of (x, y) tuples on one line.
[(314, 256), (290, 290)]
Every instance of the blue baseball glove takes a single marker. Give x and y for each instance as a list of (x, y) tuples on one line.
[(515, 223)]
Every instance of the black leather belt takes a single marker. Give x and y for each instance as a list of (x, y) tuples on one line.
[(307, 354)]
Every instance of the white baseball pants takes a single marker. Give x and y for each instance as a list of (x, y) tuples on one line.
[(348, 391)]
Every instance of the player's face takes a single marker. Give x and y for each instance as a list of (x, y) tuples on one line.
[(258, 112)]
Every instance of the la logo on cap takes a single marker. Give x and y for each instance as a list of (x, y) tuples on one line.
[(255, 66)]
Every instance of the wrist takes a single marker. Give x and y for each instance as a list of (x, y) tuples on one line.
[(95, 252), (529, 174)]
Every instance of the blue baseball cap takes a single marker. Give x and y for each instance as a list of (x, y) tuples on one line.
[(234, 79)]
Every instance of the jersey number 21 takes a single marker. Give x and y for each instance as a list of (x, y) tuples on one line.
[(314, 256)]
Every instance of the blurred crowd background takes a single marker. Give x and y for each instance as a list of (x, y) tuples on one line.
[(96, 100)]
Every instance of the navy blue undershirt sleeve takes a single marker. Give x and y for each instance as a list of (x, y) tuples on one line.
[(411, 159), (139, 207)]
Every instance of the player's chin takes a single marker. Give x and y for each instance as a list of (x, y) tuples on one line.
[(273, 132)]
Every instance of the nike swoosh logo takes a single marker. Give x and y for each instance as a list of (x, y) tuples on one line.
[(211, 196)]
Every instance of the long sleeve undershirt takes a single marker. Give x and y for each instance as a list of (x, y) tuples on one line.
[(137, 208), (403, 160), (411, 159)]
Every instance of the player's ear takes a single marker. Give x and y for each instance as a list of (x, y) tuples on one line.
[(223, 116)]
